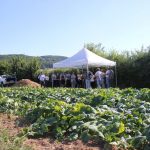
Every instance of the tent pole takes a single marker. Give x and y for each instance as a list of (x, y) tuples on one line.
[(116, 74)]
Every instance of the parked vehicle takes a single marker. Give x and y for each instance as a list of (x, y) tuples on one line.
[(6, 80)]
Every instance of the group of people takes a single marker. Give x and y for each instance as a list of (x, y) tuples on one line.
[(101, 78), (87, 79)]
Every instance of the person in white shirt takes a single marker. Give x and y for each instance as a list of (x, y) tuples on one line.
[(1, 82), (98, 77), (42, 78)]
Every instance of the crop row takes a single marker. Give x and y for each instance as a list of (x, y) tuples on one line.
[(120, 117)]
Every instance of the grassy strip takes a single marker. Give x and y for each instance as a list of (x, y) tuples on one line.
[(8, 142)]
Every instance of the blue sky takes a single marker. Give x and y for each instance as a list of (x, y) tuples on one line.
[(61, 27)]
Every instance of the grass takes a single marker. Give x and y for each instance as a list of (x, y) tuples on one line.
[(8, 142)]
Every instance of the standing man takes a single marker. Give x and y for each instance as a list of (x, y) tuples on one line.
[(73, 80), (109, 77), (102, 78), (68, 79), (53, 78), (88, 76), (42, 79), (62, 79), (98, 77)]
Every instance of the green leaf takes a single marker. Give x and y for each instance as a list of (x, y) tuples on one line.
[(51, 120), (121, 128), (85, 136), (101, 135), (73, 136)]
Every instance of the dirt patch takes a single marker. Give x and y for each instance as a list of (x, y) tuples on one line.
[(9, 123), (27, 82), (47, 144)]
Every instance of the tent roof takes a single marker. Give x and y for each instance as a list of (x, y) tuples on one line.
[(83, 58)]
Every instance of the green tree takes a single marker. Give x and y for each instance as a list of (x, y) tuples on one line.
[(96, 48), (4, 67), (23, 67), (17, 66), (33, 65), (133, 67)]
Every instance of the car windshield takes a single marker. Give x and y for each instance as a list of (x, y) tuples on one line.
[(4, 76)]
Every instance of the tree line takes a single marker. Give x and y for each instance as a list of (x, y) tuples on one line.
[(133, 67), (21, 67)]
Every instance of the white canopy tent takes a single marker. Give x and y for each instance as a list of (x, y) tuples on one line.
[(85, 59)]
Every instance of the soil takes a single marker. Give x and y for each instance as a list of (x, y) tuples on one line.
[(27, 82), (9, 123)]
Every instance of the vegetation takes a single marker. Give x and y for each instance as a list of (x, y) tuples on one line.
[(119, 117), (46, 61), (20, 67), (8, 142), (133, 68)]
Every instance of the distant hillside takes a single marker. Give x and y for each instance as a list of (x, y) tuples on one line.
[(46, 61)]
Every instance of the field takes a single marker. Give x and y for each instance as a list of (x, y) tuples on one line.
[(109, 116)]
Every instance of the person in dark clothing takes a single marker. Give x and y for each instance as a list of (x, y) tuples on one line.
[(68, 80), (62, 80)]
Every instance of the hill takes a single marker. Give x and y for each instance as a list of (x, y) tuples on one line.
[(46, 61)]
